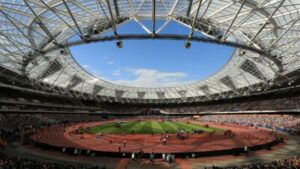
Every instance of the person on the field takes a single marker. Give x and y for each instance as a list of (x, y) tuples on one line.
[(119, 148), (172, 158), (163, 155), (168, 159), (141, 153), (165, 141), (75, 151), (152, 155), (246, 150), (133, 156), (124, 143)]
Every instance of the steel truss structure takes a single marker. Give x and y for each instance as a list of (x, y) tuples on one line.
[(35, 36)]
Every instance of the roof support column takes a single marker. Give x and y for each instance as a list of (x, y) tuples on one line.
[(74, 20), (283, 33), (233, 20), (153, 17), (116, 8), (188, 11), (187, 43), (112, 18), (40, 22), (55, 13), (267, 21)]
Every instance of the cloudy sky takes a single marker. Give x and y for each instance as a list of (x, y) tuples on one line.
[(151, 63)]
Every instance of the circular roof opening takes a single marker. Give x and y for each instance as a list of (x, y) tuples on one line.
[(151, 63)]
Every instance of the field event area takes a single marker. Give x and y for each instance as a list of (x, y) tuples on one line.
[(147, 127)]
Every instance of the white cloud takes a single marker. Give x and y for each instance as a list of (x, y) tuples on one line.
[(129, 69), (117, 72), (150, 78), (143, 77), (110, 62)]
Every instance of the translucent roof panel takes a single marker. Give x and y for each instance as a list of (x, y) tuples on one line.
[(35, 37)]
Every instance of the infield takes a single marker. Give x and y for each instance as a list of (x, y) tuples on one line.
[(147, 127)]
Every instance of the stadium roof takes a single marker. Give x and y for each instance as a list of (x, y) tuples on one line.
[(35, 36)]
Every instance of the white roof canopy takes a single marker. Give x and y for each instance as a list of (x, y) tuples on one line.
[(35, 36)]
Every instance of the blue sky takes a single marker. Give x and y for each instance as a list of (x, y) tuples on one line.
[(151, 63)]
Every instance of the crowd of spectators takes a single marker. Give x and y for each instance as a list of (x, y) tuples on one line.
[(23, 163), (12, 99), (70, 118), (16, 122), (284, 123), (242, 105), (12, 125), (291, 163)]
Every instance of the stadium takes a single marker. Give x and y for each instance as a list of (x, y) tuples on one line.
[(58, 112)]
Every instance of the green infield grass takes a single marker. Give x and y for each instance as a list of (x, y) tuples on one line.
[(146, 127)]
